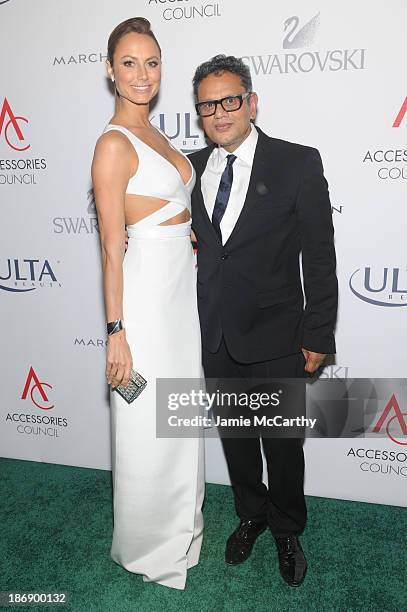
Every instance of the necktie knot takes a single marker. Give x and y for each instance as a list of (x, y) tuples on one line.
[(230, 159)]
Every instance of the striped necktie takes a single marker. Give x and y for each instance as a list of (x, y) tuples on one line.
[(223, 195)]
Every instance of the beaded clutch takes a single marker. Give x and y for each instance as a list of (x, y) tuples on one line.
[(136, 385)]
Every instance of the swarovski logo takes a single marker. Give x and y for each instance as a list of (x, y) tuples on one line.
[(330, 60), (79, 225), (304, 37)]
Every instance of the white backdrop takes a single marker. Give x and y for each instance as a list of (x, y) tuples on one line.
[(328, 75)]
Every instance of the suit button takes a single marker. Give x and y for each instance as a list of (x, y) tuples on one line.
[(224, 255)]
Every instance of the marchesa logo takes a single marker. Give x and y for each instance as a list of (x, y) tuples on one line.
[(79, 225), (91, 342), (397, 419), (37, 391), (381, 287), (309, 61), (11, 128), (183, 130), (22, 275), (400, 114), (80, 58)]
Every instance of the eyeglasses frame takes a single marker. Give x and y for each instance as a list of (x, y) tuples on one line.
[(241, 97)]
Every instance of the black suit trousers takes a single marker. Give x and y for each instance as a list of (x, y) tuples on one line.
[(282, 504)]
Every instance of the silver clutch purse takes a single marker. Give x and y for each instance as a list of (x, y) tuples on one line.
[(136, 385)]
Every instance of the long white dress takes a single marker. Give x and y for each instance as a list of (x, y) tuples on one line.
[(158, 483)]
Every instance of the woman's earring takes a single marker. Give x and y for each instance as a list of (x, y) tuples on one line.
[(112, 77)]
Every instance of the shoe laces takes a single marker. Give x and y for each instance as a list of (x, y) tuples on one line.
[(243, 529), (288, 544)]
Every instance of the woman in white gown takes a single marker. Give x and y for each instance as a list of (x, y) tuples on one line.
[(141, 182)]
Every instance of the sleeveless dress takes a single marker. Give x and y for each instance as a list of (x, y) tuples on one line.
[(158, 483)]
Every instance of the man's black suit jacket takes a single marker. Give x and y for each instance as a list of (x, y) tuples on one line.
[(250, 289)]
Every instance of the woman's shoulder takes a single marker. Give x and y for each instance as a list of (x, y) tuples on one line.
[(113, 143), (113, 153)]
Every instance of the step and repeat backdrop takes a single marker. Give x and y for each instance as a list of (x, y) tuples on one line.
[(330, 75)]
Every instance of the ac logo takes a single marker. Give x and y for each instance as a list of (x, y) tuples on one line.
[(400, 115), (32, 377), (392, 404), (14, 137)]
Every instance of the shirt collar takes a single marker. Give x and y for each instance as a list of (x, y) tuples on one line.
[(244, 152)]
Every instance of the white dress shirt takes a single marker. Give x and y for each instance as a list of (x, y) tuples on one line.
[(242, 168)]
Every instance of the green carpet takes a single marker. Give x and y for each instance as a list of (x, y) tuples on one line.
[(56, 524)]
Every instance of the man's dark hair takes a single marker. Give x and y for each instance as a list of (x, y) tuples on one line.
[(219, 64)]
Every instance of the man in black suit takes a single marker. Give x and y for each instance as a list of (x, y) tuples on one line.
[(257, 204)]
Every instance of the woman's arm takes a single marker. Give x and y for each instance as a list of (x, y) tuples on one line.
[(114, 162)]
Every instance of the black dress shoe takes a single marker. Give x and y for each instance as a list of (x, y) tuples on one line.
[(240, 543), (293, 565)]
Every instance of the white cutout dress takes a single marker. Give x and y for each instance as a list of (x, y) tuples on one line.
[(158, 483)]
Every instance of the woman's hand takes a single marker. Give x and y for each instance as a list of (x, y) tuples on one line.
[(118, 360)]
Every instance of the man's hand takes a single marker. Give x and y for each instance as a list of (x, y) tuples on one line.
[(313, 360)]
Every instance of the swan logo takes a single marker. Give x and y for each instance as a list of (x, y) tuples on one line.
[(11, 126), (380, 287), (297, 37), (79, 225), (91, 202), (397, 420), (400, 114), (23, 275), (33, 378), (182, 129), (303, 37)]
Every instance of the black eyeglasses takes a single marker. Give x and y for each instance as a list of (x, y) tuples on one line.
[(229, 104)]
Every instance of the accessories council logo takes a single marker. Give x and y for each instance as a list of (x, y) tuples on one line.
[(34, 422), (37, 385), (390, 422), (185, 9), (400, 114), (390, 160), (14, 132), (11, 129)]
